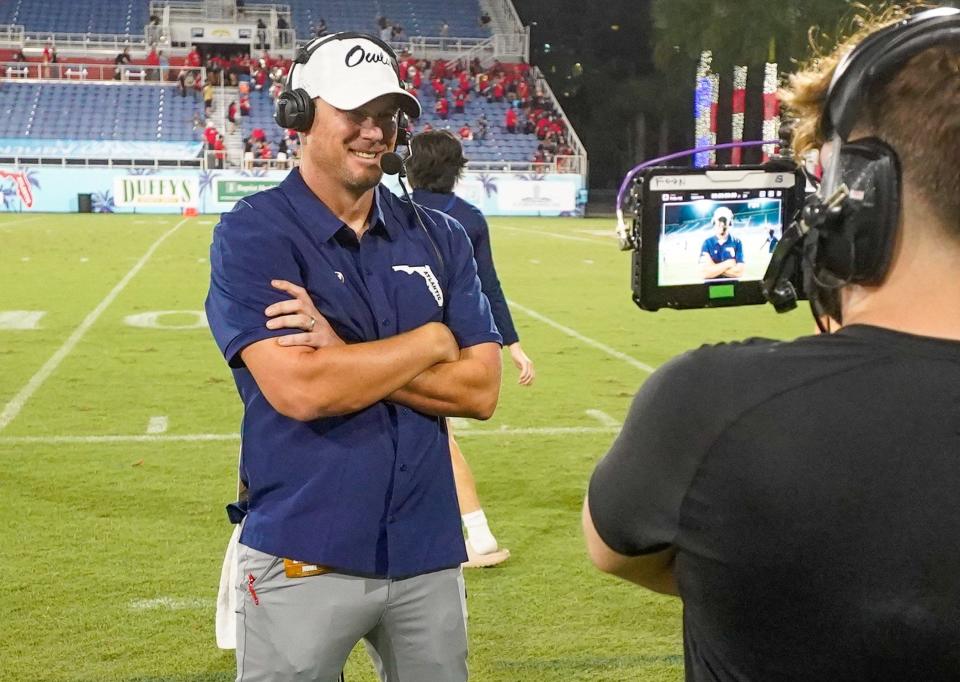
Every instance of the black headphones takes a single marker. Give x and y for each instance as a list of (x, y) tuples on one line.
[(295, 109), (847, 230)]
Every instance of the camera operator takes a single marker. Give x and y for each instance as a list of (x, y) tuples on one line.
[(808, 518)]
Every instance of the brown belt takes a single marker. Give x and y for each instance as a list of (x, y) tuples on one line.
[(303, 569)]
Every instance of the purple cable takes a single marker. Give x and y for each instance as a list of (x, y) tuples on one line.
[(676, 155)]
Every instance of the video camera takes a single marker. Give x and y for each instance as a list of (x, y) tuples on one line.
[(704, 237)]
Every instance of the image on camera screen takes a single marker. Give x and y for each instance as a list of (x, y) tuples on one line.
[(703, 240)]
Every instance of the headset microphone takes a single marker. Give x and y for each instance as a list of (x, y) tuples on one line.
[(392, 164)]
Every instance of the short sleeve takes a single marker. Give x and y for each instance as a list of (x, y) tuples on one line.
[(467, 312), (244, 257), (637, 490)]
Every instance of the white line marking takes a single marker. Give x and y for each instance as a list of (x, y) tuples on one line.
[(613, 352), (25, 259), (21, 319), (172, 603), (217, 437), (84, 259), (606, 234), (16, 404), (603, 418), (158, 425), (544, 233), (460, 424), (19, 222)]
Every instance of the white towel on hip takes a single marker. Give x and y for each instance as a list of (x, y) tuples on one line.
[(227, 595)]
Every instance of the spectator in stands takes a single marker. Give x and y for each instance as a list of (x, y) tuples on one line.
[(208, 97), (510, 120), (265, 151), (153, 62), (397, 35), (466, 132), (232, 116), (320, 29), (485, 20), (282, 149), (282, 28), (49, 57), (442, 108), (459, 103), (210, 134), (261, 35), (218, 150), (18, 56), (193, 57), (386, 33), (496, 92), (434, 170), (482, 128), (182, 82), (244, 105)]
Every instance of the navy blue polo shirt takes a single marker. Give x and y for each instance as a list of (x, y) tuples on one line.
[(369, 493), (475, 224), (721, 251)]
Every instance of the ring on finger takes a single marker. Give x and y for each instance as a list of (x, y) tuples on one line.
[(313, 322)]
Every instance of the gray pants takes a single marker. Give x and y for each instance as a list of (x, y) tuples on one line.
[(304, 628)]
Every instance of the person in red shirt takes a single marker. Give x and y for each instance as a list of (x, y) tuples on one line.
[(153, 61), (523, 91), (218, 151), (232, 116), (459, 103), (464, 81), (497, 91), (510, 120), (193, 57), (265, 151), (543, 126), (438, 87), (442, 108), (466, 132)]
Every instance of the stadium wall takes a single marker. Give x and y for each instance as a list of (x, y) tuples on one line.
[(140, 190)]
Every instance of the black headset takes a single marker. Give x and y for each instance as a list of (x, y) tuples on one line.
[(847, 231), (295, 109)]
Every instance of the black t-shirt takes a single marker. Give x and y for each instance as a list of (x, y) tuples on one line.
[(812, 490)]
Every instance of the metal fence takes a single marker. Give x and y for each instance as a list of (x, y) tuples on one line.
[(125, 73)]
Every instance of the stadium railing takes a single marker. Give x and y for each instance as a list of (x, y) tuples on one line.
[(70, 72), (101, 163)]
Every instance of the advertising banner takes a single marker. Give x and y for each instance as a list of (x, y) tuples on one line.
[(156, 190), (148, 190)]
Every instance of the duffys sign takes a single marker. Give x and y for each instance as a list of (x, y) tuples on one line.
[(155, 190)]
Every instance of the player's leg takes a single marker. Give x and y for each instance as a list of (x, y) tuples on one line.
[(422, 634), (299, 628), (482, 547)]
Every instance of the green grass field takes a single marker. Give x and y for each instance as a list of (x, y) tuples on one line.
[(113, 537)]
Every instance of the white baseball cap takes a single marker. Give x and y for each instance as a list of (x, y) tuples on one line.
[(347, 70)]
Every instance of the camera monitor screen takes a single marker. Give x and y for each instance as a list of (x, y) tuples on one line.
[(707, 235)]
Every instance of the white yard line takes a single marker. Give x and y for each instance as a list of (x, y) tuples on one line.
[(16, 404), (157, 425), (172, 603), (214, 437), (613, 352), (603, 418), (16, 221), (555, 235)]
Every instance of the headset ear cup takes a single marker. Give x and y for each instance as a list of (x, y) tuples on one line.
[(294, 110), (858, 245)]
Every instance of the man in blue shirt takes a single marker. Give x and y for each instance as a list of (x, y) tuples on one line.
[(351, 528), (435, 165), (721, 255)]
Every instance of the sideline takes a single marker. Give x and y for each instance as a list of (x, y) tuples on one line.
[(12, 409)]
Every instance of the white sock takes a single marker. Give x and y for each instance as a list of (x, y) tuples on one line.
[(478, 532)]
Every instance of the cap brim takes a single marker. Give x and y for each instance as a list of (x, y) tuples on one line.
[(354, 100)]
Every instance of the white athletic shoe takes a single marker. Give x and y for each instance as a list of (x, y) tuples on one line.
[(477, 560)]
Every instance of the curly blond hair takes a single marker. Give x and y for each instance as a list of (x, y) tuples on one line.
[(916, 111)]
